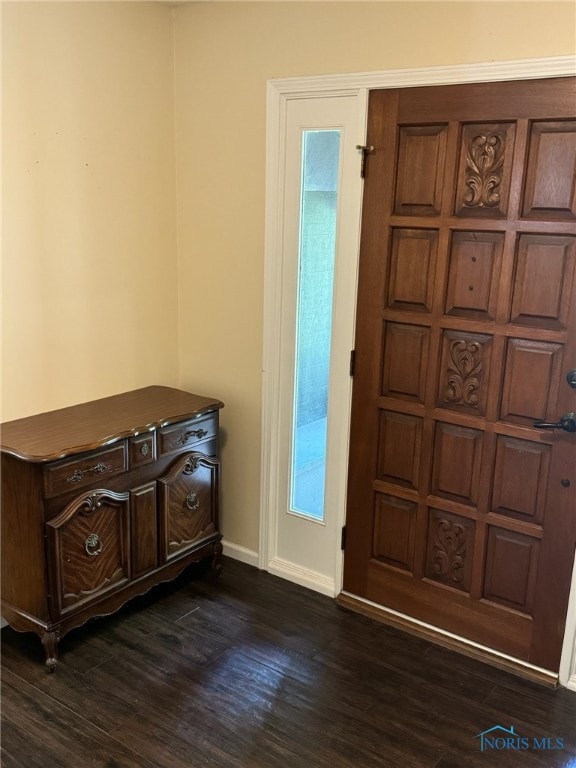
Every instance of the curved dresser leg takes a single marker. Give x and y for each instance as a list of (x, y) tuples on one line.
[(216, 565), (50, 643)]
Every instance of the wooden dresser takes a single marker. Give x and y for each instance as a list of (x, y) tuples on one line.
[(102, 501)]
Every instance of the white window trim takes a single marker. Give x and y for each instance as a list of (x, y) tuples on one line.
[(279, 91)]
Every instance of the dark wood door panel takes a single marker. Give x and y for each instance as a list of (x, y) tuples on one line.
[(474, 274), (543, 281), (412, 266), (511, 569), (460, 512), (456, 463), (464, 371), (532, 376), (421, 161), (405, 361), (399, 449), (520, 478), (485, 162), (490, 624), (510, 101), (551, 176)]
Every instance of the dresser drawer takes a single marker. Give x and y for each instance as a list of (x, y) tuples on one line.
[(185, 435), (142, 449), (64, 476)]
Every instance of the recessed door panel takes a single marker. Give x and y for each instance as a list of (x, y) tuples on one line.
[(413, 261), (511, 569), (544, 278), (521, 478), (421, 159), (400, 445), (394, 531), (531, 378), (456, 463), (473, 274), (405, 361), (551, 175)]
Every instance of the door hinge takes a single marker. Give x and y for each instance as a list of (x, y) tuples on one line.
[(366, 150), (352, 361), (343, 539)]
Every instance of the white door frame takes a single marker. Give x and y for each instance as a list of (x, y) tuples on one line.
[(279, 92)]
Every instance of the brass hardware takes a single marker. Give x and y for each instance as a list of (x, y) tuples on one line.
[(93, 545), (145, 449), (198, 433), (191, 501), (571, 378), (97, 469), (567, 423), (366, 150)]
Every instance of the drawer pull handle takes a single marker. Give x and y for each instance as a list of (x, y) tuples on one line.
[(199, 433), (144, 450), (191, 501), (93, 545), (97, 469)]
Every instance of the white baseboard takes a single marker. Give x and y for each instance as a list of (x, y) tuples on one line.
[(283, 568), (3, 622), (302, 576), (571, 683), (236, 552)]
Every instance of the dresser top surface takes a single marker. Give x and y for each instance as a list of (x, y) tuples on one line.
[(88, 426)]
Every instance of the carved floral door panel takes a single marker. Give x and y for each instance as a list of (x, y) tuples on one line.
[(460, 512)]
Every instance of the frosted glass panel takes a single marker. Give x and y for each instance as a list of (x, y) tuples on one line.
[(318, 206)]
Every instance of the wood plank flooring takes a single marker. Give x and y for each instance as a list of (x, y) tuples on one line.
[(254, 672)]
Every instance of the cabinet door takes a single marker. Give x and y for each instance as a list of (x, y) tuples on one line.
[(188, 503), (88, 545)]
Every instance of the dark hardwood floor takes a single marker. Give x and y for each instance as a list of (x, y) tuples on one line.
[(254, 671)]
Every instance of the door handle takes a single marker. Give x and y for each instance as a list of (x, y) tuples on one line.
[(567, 422)]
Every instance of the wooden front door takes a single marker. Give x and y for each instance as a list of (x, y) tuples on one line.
[(461, 513)]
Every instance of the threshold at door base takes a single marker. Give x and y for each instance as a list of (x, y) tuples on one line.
[(448, 640)]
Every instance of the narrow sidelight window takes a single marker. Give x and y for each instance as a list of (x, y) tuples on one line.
[(317, 247)]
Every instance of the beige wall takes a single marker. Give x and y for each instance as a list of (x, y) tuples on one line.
[(92, 271), (225, 52), (89, 302)]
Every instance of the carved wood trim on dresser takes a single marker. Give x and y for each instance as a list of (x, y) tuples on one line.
[(101, 502)]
